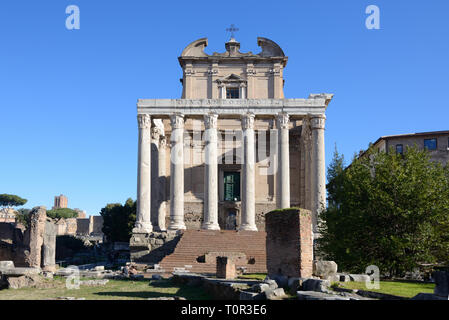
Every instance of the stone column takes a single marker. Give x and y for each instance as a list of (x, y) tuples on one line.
[(158, 179), (283, 173), (177, 173), (248, 218), (143, 219), (318, 167), (210, 174), (162, 209)]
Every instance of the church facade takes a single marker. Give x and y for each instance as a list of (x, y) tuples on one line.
[(232, 148)]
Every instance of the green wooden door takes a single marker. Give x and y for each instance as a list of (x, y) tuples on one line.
[(232, 186)]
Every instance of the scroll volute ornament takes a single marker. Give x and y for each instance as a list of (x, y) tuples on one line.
[(177, 121), (144, 121), (248, 121), (210, 121), (283, 120), (318, 122)]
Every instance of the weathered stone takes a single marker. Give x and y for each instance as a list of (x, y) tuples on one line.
[(313, 295), (324, 269), (49, 247), (441, 283), (99, 268), (225, 268), (38, 217), (94, 282), (281, 281), (359, 277), (15, 272), (295, 284), (316, 285), (6, 264), (276, 294), (260, 287), (22, 281), (272, 283), (343, 277)]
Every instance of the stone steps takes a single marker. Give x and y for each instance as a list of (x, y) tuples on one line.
[(196, 243)]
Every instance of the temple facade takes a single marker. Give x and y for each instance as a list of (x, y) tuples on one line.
[(232, 148)]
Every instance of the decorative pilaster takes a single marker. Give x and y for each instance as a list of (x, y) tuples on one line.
[(177, 173), (248, 219), (283, 173), (143, 218), (318, 167), (210, 174)]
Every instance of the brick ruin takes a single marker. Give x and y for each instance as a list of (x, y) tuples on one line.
[(289, 243)]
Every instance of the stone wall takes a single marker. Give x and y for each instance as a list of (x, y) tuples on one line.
[(82, 227), (289, 243), (33, 247)]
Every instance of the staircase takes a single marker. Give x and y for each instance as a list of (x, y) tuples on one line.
[(197, 243)]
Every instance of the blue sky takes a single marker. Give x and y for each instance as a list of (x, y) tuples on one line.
[(68, 98)]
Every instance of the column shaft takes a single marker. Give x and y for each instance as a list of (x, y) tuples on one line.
[(283, 173), (248, 218), (143, 218), (210, 174), (318, 168), (177, 173)]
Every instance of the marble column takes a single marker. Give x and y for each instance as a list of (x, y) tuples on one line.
[(318, 167), (158, 176), (162, 210), (177, 173), (210, 174), (248, 218), (283, 172), (143, 218)]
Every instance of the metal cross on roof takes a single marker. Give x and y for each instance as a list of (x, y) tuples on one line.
[(232, 29)]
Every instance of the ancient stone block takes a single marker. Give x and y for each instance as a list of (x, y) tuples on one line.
[(324, 269), (316, 285), (38, 217), (289, 243), (226, 268)]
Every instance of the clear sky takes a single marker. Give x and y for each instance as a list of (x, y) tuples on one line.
[(68, 97)]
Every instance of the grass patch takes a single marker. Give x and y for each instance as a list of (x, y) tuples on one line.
[(397, 288), (113, 290), (254, 276)]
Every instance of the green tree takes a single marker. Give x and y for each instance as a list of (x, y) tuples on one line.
[(11, 200), (386, 209), (62, 213), (23, 217), (118, 221)]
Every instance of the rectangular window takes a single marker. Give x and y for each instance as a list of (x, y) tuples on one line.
[(232, 93), (430, 144), (232, 186), (399, 149)]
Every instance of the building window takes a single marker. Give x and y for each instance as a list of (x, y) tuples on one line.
[(430, 144), (232, 93), (399, 149), (232, 186)]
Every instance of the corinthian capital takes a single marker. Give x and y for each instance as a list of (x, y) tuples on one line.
[(177, 121), (210, 120), (318, 122), (282, 120), (248, 121), (144, 121)]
